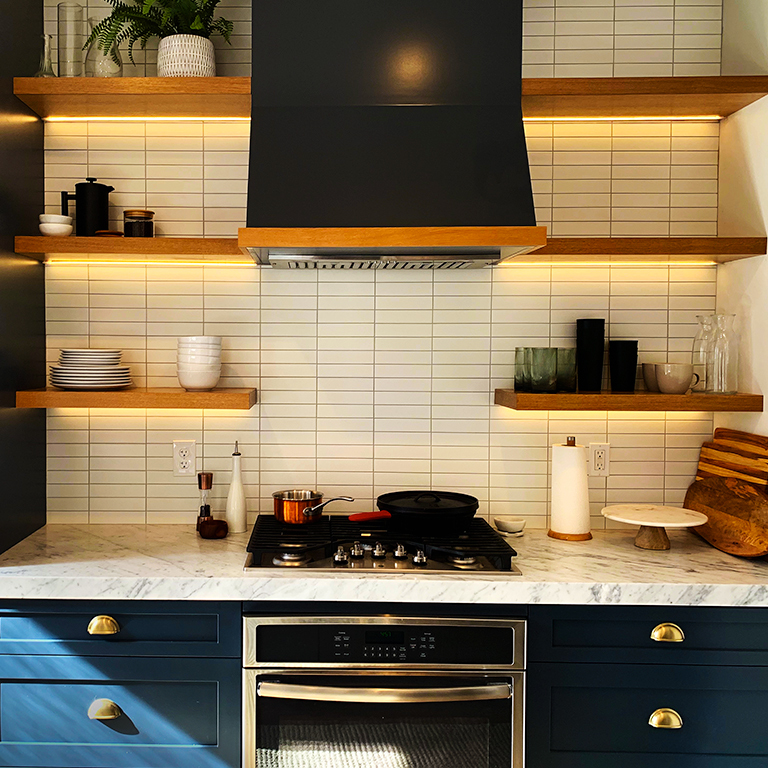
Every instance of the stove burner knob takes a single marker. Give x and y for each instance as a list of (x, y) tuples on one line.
[(357, 552), (400, 553), (420, 558), (341, 557), (379, 553)]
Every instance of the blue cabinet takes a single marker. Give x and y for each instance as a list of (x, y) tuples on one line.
[(73, 700), (596, 677), (30, 627)]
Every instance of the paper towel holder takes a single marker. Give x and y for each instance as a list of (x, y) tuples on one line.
[(570, 442)]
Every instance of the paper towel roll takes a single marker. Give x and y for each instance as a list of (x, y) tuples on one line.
[(569, 515)]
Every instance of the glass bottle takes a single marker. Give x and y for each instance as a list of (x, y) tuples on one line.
[(101, 64), (723, 361), (46, 59), (71, 29), (702, 345)]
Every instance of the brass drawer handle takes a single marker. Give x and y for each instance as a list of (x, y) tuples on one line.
[(668, 633), (103, 625), (104, 709), (666, 719)]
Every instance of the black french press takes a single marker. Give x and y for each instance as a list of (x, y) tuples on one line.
[(91, 207)]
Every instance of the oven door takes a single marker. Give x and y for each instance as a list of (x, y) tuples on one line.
[(387, 720)]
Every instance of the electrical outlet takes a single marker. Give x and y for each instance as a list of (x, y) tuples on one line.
[(599, 459), (184, 458)]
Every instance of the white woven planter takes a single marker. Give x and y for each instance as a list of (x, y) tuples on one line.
[(186, 56)]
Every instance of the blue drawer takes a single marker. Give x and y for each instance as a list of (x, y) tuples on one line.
[(622, 634), (140, 629), (597, 716), (168, 713)]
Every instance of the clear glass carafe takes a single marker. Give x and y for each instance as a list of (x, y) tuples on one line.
[(46, 59), (702, 348), (723, 362), (71, 31), (101, 64)]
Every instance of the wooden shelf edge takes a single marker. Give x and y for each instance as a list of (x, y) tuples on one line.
[(217, 399), (191, 248), (542, 98), (617, 401), (649, 248)]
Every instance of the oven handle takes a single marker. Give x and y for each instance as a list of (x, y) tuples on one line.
[(383, 695)]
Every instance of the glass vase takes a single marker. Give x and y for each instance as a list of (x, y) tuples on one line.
[(46, 59), (723, 362), (71, 30), (101, 64), (702, 349)]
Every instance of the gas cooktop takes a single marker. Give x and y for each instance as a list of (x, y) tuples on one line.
[(336, 544)]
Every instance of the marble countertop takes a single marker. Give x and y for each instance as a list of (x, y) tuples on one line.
[(168, 562)]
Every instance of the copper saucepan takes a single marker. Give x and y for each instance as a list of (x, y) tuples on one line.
[(301, 507)]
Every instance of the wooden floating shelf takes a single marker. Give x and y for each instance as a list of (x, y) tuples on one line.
[(543, 98), (628, 249), (203, 249), (216, 399), (640, 401)]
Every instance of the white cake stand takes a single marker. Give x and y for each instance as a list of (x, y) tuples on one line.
[(653, 520)]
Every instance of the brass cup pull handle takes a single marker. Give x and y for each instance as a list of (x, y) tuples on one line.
[(104, 709), (103, 625), (666, 719), (668, 633)]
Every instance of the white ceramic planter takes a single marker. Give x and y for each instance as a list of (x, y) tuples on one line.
[(186, 56)]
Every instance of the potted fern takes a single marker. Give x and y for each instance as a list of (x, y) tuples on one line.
[(183, 26)]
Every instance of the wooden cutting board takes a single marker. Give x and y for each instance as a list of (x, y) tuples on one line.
[(738, 455), (737, 512)]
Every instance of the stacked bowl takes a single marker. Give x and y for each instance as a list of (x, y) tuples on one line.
[(90, 369), (198, 362)]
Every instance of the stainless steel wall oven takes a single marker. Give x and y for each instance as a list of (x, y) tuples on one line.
[(391, 692)]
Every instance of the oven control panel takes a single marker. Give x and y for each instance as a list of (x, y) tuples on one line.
[(371, 643)]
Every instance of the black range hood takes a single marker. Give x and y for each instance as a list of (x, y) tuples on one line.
[(388, 133)]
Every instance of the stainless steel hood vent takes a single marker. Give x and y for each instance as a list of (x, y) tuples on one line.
[(398, 119)]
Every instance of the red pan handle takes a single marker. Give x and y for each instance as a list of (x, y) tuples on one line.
[(363, 517)]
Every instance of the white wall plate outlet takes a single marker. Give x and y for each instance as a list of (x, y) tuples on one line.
[(599, 459), (184, 458)]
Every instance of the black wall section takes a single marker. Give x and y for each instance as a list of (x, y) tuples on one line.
[(388, 113), (22, 281)]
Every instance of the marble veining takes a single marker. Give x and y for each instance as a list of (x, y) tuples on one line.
[(164, 562)]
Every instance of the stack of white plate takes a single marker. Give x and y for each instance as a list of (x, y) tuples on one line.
[(90, 369), (198, 362)]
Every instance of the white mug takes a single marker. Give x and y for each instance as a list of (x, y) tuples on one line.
[(675, 378)]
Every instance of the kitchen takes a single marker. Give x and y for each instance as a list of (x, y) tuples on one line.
[(371, 381)]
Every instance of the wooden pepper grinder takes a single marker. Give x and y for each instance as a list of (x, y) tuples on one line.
[(207, 527)]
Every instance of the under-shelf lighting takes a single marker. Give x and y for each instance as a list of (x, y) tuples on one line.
[(607, 263), (204, 119), (140, 119), (158, 262)]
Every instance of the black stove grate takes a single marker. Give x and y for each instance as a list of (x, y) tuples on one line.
[(321, 539)]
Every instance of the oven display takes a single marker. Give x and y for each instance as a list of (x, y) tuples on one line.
[(384, 637)]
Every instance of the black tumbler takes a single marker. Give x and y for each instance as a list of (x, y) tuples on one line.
[(623, 362), (590, 349)]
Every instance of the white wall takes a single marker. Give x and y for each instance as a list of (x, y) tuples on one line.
[(745, 37)]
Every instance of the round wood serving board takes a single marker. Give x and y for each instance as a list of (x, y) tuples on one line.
[(653, 519)]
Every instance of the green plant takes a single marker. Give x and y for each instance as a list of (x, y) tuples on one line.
[(144, 19)]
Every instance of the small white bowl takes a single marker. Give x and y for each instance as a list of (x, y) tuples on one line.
[(199, 380), (509, 524), (56, 230), (207, 340), (198, 368), (54, 218), (199, 359)]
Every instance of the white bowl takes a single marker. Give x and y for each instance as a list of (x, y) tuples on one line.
[(199, 380), (199, 359), (56, 230), (54, 218), (509, 524), (207, 340), (198, 367)]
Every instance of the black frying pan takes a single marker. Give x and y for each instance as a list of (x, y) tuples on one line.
[(419, 509)]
